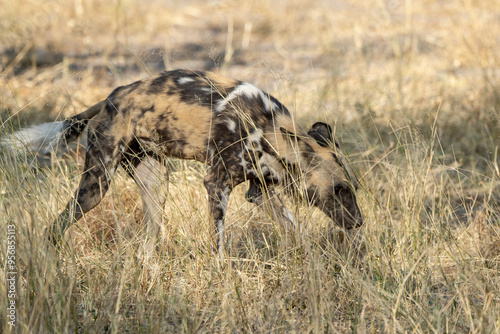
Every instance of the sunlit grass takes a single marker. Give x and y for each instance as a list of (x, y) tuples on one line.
[(413, 91)]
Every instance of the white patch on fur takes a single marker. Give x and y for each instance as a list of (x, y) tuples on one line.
[(185, 80), (110, 173), (287, 214), (225, 198), (222, 230), (42, 138), (255, 136), (107, 160), (250, 91), (244, 163), (231, 125), (210, 155)]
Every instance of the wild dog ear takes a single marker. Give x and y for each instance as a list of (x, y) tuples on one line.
[(288, 133), (323, 134), (307, 149)]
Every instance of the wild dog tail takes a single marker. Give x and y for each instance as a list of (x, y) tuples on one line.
[(47, 137)]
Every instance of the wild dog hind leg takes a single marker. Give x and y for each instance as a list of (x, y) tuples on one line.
[(100, 164)]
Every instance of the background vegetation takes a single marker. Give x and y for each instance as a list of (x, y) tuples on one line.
[(413, 89)]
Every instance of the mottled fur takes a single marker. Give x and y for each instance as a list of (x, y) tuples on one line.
[(240, 132)]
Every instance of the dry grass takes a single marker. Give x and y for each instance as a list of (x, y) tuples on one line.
[(413, 88)]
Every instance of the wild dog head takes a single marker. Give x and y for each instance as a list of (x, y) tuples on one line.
[(329, 181)]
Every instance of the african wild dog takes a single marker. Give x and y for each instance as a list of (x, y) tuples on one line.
[(239, 131)]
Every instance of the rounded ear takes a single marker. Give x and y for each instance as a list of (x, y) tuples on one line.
[(306, 148), (288, 133), (322, 133)]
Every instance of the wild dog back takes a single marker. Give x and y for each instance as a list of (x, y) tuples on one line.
[(188, 114)]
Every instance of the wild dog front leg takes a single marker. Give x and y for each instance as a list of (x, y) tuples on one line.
[(218, 189), (275, 206)]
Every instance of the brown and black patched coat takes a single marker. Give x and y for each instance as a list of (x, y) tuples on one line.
[(239, 131)]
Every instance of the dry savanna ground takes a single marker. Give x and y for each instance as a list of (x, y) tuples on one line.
[(413, 91)]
